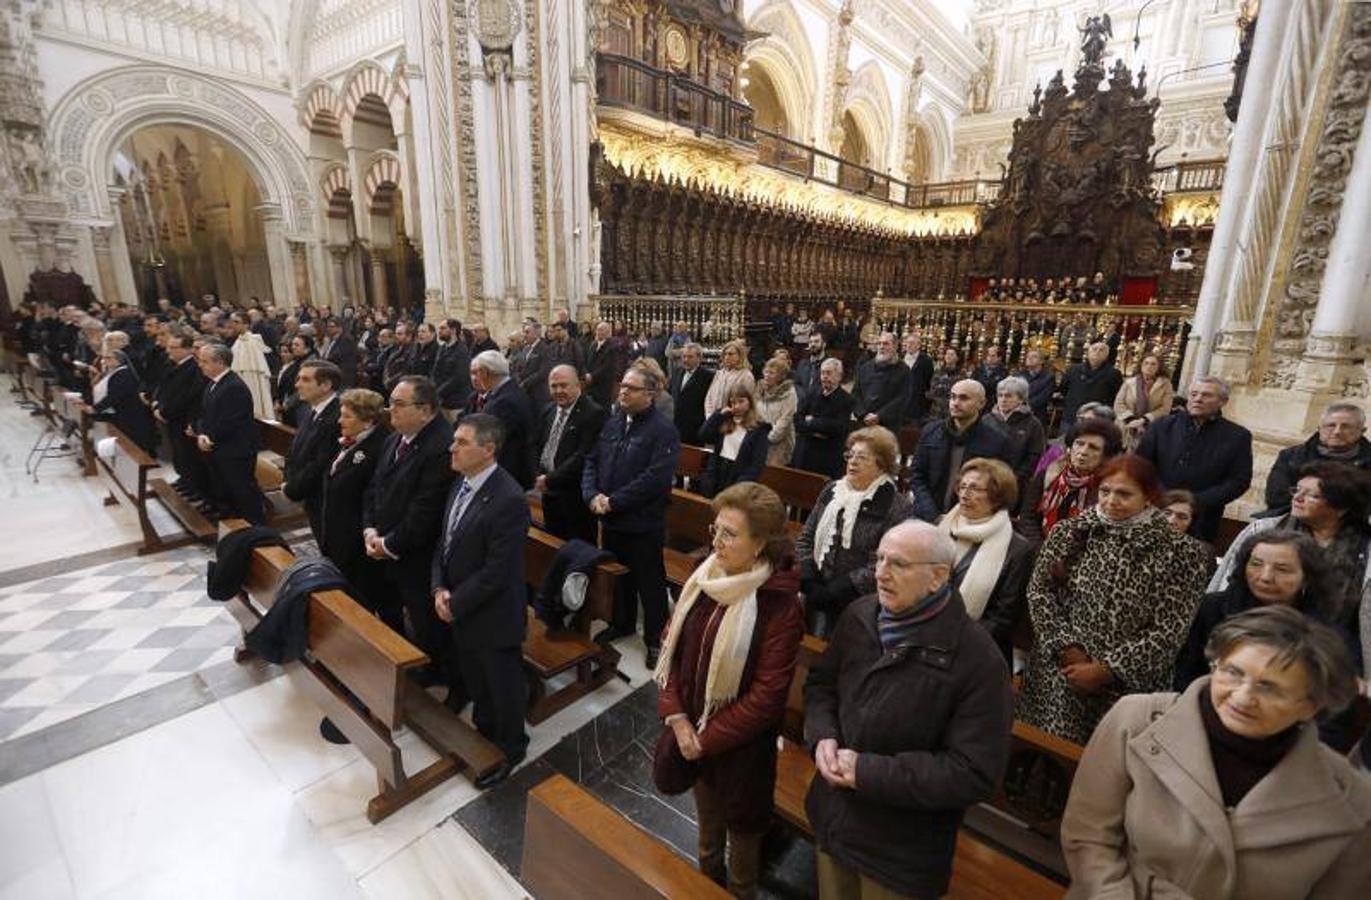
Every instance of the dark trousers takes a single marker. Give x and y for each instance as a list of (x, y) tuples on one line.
[(641, 552), (494, 680), (568, 517), (233, 481), (186, 458), (408, 583)]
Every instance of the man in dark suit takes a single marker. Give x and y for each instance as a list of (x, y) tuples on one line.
[(452, 369), (176, 404), (807, 370), (569, 428), (403, 510), (606, 364), (920, 366), (477, 583), (316, 437), (536, 363), (882, 389), (227, 434), (1095, 379), (822, 422), (1204, 453), (481, 340), (340, 349), (627, 483), (499, 395), (688, 387)]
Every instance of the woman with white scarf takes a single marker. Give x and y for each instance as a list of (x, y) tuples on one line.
[(993, 563), (837, 549), (727, 660)]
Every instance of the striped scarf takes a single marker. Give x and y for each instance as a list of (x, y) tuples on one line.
[(895, 629)]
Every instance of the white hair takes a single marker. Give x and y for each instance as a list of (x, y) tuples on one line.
[(492, 361), (937, 546)]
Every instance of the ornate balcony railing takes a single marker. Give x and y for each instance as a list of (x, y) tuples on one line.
[(1183, 177), (631, 84)]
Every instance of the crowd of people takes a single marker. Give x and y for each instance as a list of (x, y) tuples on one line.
[(998, 572)]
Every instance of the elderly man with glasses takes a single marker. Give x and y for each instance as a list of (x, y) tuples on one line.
[(1341, 438)]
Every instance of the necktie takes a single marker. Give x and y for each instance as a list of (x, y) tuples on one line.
[(553, 439), (480, 401), (401, 450), (455, 517)]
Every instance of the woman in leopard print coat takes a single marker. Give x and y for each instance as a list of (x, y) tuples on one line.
[(1111, 599)]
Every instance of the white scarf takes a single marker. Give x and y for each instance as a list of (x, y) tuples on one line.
[(732, 642), (992, 535), (847, 501)]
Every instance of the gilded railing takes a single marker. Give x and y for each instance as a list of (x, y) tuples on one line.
[(711, 319), (1061, 332)]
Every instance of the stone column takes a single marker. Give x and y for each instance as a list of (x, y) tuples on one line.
[(379, 295), (338, 265), (1244, 154), (300, 270), (104, 265), (221, 251), (1328, 361), (278, 256), (121, 260)]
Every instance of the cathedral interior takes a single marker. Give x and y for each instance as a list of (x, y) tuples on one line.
[(1185, 178)]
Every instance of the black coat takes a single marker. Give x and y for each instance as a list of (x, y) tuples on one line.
[(721, 473), (452, 375), (286, 398), (124, 408), (343, 354), (579, 435), (930, 471), (1284, 472), (806, 376), (511, 406), (1083, 384), (606, 366), (482, 564), (226, 418), (341, 503), (178, 396), (920, 379), (990, 377), (537, 362), (405, 499), (690, 402), (311, 453), (822, 423), (1041, 386), (1212, 460), (634, 467), (930, 722), (1009, 599), (883, 390)]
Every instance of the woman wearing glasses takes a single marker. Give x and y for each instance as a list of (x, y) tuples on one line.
[(1224, 792), (1112, 594), (1067, 488), (993, 563), (727, 660), (837, 549), (1330, 502)]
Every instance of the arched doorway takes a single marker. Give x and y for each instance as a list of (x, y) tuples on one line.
[(761, 94), (856, 150), (188, 209)]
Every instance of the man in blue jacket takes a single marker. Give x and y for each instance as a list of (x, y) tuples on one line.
[(946, 444), (627, 483)]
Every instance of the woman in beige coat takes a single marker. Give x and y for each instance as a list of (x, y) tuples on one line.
[(1224, 792), (733, 371), (776, 402), (1143, 399)]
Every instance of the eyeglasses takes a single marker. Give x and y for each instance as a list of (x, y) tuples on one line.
[(855, 456), (892, 562), (1303, 494), (974, 490), (1232, 677), (625, 386), (400, 404), (723, 535)]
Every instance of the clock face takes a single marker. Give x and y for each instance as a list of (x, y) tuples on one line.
[(677, 54)]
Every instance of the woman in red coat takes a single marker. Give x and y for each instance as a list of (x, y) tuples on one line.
[(727, 659)]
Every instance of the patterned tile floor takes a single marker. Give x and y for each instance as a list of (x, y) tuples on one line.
[(78, 641)]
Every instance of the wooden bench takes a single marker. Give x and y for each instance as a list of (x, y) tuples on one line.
[(548, 655), (979, 872), (355, 671), (690, 465), (798, 489), (577, 848), (128, 473), (688, 517), (275, 439)]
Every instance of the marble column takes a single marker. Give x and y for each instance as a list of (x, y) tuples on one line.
[(221, 251), (338, 265), (1346, 292), (278, 256), (1244, 155), (121, 260), (300, 270), (104, 265), (379, 295)]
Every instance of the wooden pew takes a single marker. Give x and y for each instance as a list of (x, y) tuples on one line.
[(691, 465), (128, 473), (577, 848), (799, 490), (979, 872), (356, 673), (547, 655), (688, 517), (275, 439)]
